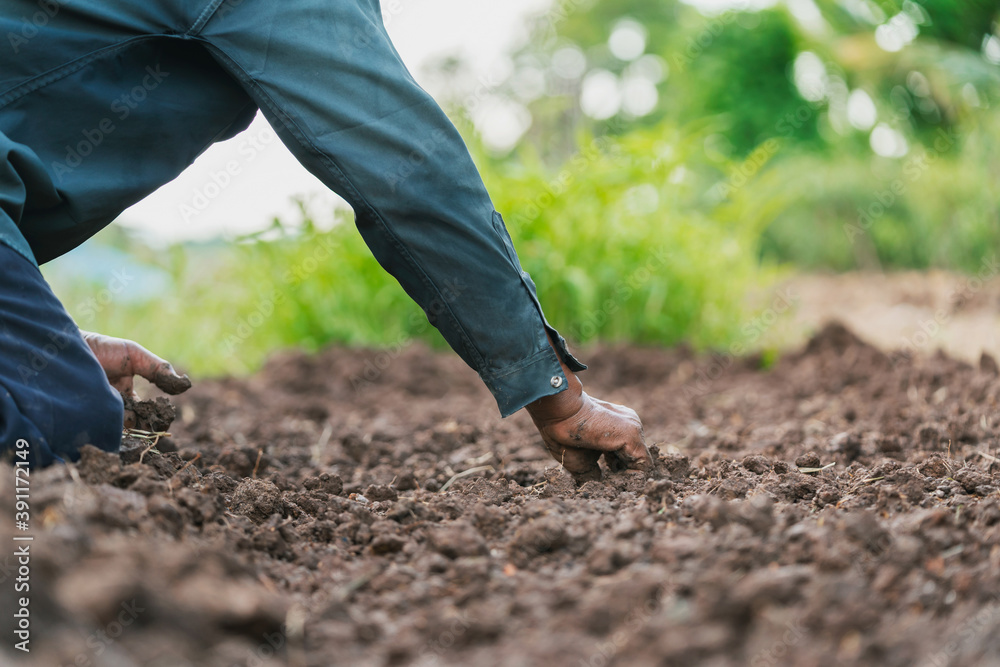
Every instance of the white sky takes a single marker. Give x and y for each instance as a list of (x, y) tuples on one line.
[(194, 207)]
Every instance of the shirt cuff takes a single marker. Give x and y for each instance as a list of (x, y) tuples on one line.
[(531, 379)]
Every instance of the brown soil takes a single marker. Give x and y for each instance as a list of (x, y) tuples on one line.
[(291, 515)]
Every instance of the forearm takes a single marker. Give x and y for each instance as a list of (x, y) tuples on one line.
[(440, 237)]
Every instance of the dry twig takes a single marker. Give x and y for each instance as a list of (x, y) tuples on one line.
[(809, 471), (464, 473)]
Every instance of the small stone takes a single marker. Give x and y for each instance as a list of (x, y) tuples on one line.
[(387, 544)]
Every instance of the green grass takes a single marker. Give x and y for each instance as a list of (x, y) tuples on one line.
[(638, 238), (619, 240), (930, 209)]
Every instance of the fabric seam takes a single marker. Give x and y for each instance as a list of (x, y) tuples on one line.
[(541, 355), (39, 81), (206, 14)]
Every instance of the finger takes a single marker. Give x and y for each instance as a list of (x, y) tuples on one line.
[(580, 463), (606, 427), (157, 370), (634, 455), (124, 385), (167, 379), (638, 453), (630, 457), (624, 445), (592, 475)]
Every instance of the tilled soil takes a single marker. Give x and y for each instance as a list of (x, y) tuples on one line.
[(362, 508)]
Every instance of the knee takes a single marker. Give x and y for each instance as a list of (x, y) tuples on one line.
[(95, 419), (56, 424)]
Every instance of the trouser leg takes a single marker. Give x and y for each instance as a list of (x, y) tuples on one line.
[(53, 393)]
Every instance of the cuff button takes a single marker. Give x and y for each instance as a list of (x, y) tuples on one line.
[(556, 381)]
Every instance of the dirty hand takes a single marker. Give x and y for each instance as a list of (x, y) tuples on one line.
[(577, 429), (123, 359)]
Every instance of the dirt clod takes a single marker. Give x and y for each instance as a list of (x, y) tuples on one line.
[(312, 525), (155, 415), (256, 499)]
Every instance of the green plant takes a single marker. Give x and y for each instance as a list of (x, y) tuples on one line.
[(620, 241)]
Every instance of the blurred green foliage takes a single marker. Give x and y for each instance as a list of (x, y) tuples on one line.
[(591, 233), (933, 208), (669, 161), (859, 92)]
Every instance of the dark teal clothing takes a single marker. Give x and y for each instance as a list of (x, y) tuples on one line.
[(53, 393), (103, 101)]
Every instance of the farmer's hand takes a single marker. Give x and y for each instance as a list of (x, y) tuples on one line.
[(122, 360), (577, 429)]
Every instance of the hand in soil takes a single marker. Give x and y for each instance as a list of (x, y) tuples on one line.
[(123, 359), (578, 429)]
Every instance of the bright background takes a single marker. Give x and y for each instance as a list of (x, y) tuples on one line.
[(661, 165), (423, 30)]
